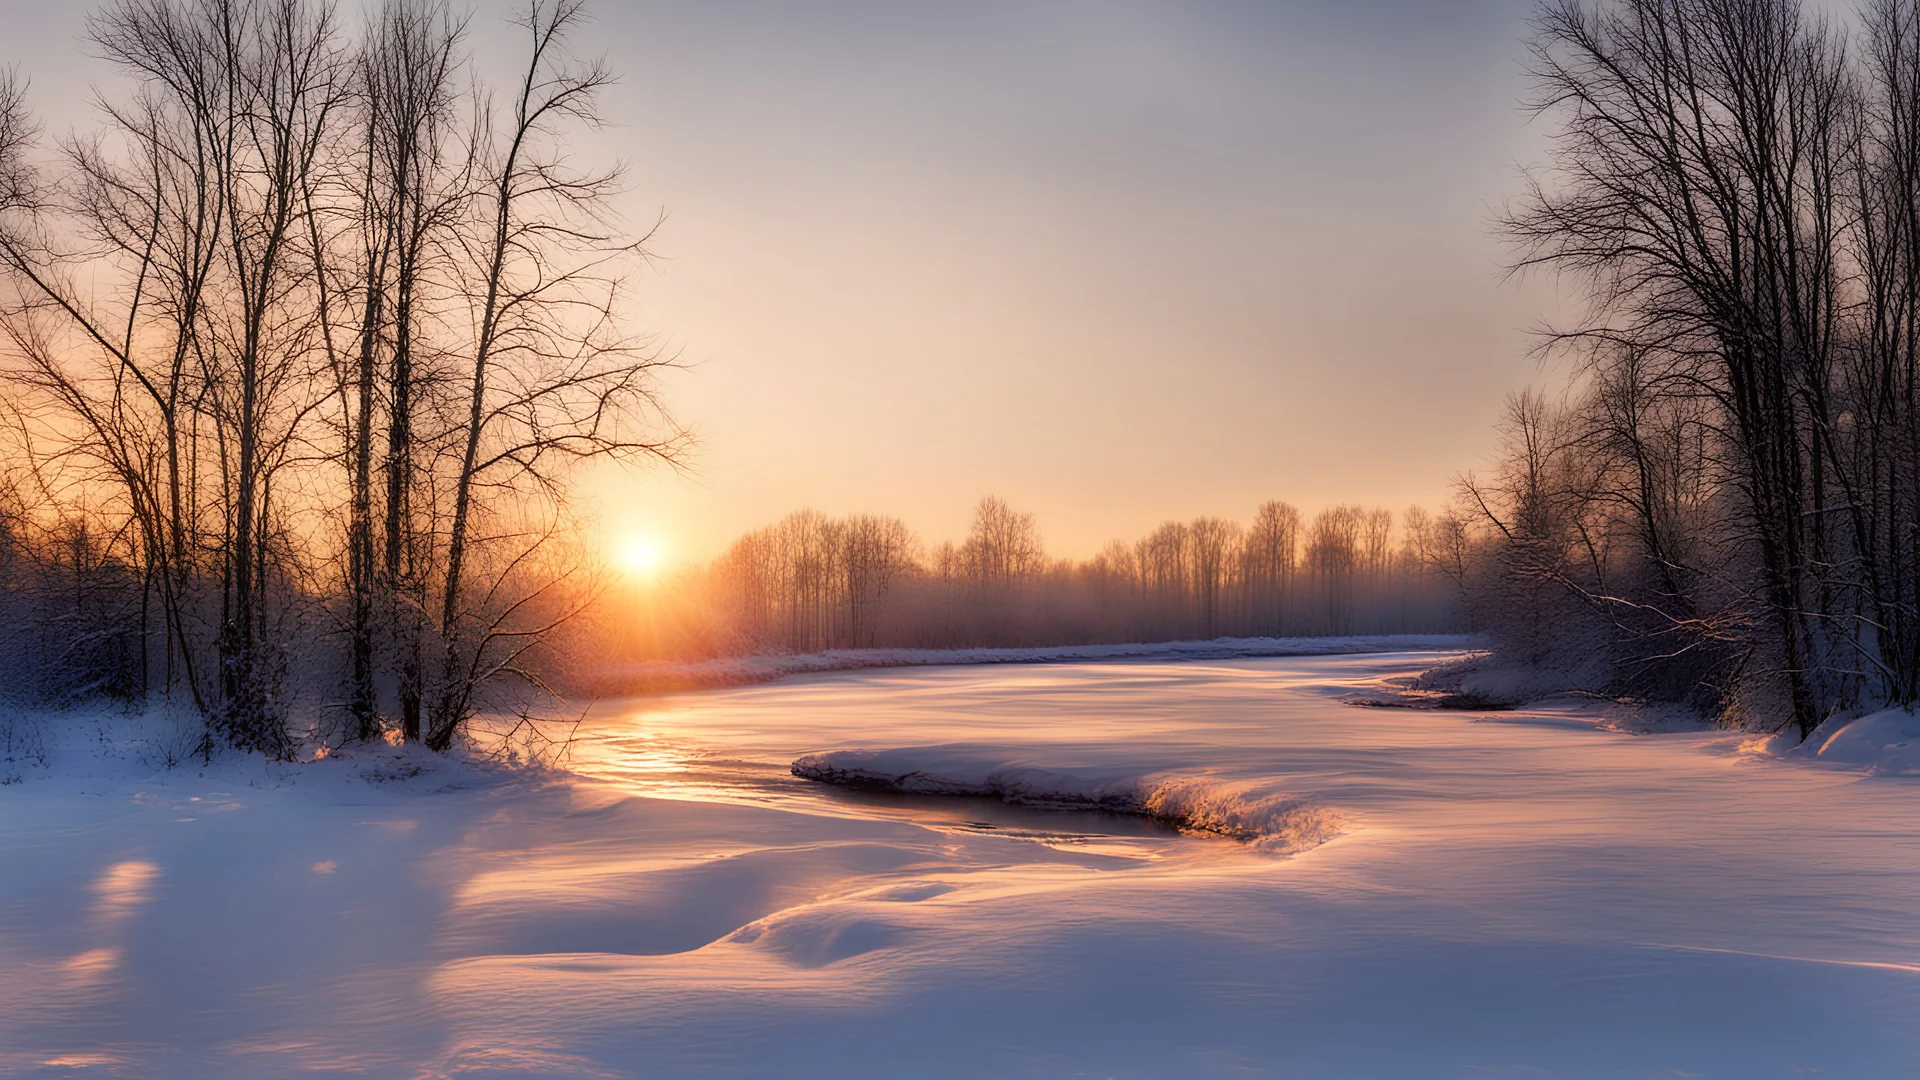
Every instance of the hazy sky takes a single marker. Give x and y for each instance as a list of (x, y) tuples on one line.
[(1115, 262)]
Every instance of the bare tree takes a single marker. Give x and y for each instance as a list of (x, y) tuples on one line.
[(198, 222), (1335, 554), (255, 273), (400, 196), (1003, 546), (878, 550), (1700, 149), (1211, 543), (413, 69), (552, 377), (1268, 561)]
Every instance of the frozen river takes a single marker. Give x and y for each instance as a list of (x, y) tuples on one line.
[(1415, 893)]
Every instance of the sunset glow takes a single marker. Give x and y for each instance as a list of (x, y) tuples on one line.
[(641, 557), (1018, 539)]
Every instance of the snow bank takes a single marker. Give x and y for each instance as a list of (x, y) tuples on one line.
[(1484, 682), (1244, 811), (105, 748), (1887, 741), (662, 675), (1489, 680), (96, 741)]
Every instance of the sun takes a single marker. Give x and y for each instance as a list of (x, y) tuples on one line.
[(641, 557)]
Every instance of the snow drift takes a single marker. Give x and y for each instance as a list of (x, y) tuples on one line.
[(1243, 811), (1887, 741)]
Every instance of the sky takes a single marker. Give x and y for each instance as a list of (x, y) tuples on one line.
[(1114, 262)]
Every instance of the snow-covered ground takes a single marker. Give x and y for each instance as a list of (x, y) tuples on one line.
[(1425, 893)]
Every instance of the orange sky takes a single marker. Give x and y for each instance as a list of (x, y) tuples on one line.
[(1114, 262)]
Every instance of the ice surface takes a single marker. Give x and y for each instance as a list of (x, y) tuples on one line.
[(746, 670), (1511, 894)]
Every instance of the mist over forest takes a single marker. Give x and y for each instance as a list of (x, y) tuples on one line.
[(810, 582)]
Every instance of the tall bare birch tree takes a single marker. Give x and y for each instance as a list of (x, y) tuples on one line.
[(552, 375)]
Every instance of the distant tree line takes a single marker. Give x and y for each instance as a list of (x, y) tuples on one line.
[(1725, 508), (301, 341), (810, 582)]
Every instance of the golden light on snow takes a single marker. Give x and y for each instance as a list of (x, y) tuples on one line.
[(93, 962), (123, 887)]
